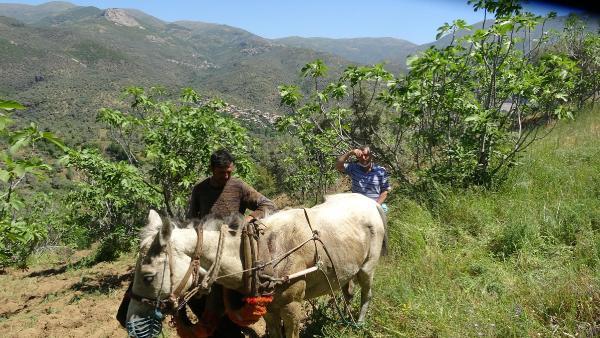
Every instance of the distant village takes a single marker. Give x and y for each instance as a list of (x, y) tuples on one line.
[(249, 114)]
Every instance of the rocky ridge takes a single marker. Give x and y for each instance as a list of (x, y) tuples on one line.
[(120, 17)]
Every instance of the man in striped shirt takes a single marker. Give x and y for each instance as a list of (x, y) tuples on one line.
[(368, 178)]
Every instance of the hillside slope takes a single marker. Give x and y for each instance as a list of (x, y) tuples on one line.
[(66, 65), (393, 52), (31, 14), (520, 261)]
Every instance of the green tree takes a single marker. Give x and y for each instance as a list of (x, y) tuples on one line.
[(475, 104), (583, 47), (21, 228), (461, 115), (167, 144), (319, 128)]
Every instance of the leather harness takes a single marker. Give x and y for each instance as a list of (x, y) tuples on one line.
[(258, 275), (176, 300)]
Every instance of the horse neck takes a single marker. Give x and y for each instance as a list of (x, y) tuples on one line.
[(230, 257)]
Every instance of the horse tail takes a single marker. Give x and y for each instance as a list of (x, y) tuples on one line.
[(384, 244)]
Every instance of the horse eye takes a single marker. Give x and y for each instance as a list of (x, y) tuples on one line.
[(148, 279)]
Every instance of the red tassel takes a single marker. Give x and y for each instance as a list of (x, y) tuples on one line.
[(252, 310)]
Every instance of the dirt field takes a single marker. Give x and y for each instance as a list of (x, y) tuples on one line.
[(53, 299)]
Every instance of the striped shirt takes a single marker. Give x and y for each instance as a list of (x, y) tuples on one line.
[(371, 183)]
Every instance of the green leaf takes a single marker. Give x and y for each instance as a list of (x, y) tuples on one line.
[(16, 204), (10, 105), (314, 69), (442, 30), (4, 175), (290, 95), (461, 24), (411, 59), (4, 122), (21, 142)]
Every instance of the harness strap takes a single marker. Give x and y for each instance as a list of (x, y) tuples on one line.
[(213, 271), (247, 259), (317, 257), (162, 304), (254, 252), (194, 265)]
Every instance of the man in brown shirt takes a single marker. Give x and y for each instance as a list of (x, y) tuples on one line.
[(222, 195)]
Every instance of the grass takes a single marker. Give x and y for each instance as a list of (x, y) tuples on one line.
[(523, 260)]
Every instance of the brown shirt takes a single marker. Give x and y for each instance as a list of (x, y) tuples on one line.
[(235, 197)]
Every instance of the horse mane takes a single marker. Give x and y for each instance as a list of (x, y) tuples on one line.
[(212, 222)]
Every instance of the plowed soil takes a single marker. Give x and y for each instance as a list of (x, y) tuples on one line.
[(58, 299)]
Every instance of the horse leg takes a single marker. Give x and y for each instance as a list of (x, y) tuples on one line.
[(365, 280), (348, 291), (273, 320), (365, 275), (291, 309), (292, 314)]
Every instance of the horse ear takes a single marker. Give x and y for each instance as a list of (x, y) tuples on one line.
[(154, 220), (165, 233)]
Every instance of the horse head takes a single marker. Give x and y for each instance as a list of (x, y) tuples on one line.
[(161, 264), (166, 274)]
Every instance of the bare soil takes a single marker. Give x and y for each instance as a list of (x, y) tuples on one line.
[(59, 298), (56, 299)]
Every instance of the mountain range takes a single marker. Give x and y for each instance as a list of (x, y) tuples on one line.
[(66, 61)]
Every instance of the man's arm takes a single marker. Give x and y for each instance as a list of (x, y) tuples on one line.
[(257, 202), (339, 164), (193, 204), (382, 197), (385, 187)]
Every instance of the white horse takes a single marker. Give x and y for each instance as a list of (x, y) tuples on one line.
[(350, 226)]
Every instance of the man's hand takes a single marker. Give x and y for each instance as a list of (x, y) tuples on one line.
[(382, 197), (248, 218), (339, 164)]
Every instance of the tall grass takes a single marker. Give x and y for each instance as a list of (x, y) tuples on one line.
[(523, 260)]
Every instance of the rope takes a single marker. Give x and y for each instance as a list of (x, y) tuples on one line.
[(209, 278), (269, 262), (320, 266), (317, 257), (162, 282), (347, 307), (211, 275)]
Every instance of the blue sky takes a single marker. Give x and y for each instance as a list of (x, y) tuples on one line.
[(414, 20)]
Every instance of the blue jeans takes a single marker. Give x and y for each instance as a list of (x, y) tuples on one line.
[(384, 207)]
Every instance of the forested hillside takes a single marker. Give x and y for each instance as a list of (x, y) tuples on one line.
[(65, 62), (393, 52), (74, 60)]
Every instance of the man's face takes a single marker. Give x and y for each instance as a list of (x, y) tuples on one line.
[(220, 175), (364, 158)]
